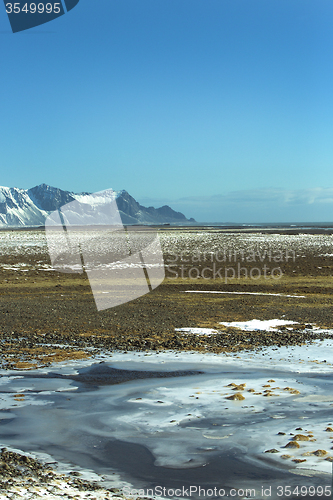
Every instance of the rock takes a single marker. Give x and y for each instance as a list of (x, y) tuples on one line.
[(238, 396), (319, 453), (272, 450), (292, 444), (299, 460), (300, 437)]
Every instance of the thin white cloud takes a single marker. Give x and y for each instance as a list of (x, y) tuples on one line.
[(264, 196), (257, 205)]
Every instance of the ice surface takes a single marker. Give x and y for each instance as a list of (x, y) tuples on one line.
[(178, 418)]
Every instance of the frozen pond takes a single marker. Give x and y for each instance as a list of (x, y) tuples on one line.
[(227, 423)]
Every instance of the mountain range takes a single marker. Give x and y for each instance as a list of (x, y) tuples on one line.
[(30, 207)]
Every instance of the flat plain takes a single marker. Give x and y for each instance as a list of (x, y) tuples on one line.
[(234, 275)]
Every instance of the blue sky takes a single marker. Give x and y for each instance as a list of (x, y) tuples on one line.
[(221, 108)]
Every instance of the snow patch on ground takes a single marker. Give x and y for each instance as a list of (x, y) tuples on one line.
[(259, 325), (198, 331), (246, 293)]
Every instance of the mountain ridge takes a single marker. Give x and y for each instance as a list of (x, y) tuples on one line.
[(30, 207)]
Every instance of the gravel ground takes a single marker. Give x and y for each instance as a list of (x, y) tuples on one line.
[(48, 316)]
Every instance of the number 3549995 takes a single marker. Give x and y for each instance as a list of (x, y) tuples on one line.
[(32, 8)]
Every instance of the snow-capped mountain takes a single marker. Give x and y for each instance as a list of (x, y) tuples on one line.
[(21, 207)]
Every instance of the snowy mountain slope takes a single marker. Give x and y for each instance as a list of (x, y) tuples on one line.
[(20, 207), (17, 208), (49, 198)]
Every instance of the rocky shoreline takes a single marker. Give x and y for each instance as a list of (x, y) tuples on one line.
[(19, 352), (22, 476)]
